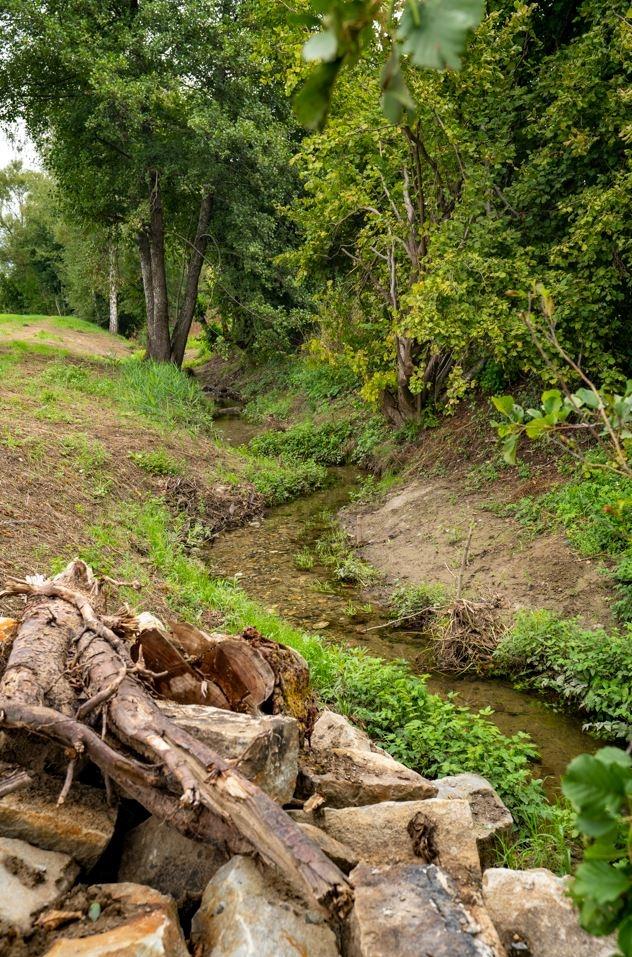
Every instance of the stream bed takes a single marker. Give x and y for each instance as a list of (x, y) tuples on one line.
[(262, 557)]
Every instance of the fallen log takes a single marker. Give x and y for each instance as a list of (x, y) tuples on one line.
[(151, 759)]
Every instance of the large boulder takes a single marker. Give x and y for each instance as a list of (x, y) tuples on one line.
[(244, 913), (341, 855), (492, 820), (395, 832), (533, 915), (80, 827), (347, 777), (406, 910), (134, 921), (159, 856), (31, 880), (266, 747), (333, 730)]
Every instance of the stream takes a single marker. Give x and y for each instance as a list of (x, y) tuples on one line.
[(262, 557)]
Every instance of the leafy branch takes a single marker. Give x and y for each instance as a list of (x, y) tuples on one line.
[(606, 416), (600, 789), (431, 33)]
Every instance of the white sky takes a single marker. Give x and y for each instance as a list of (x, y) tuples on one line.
[(17, 147)]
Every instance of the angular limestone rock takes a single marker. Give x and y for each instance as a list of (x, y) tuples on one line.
[(159, 856), (425, 832), (81, 827), (347, 777), (268, 744), (533, 915), (30, 880), (244, 914), (339, 853), (492, 819), (333, 730), (136, 921), (406, 910)]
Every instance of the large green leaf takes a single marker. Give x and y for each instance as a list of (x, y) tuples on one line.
[(311, 103), (601, 881), (434, 32)]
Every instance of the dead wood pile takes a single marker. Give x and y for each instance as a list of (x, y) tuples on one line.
[(89, 683)]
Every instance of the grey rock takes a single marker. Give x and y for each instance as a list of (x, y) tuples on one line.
[(342, 856), (492, 820), (148, 927), (268, 745), (159, 856), (347, 777), (431, 832), (410, 910), (531, 910), (333, 730), (245, 914), (31, 880), (81, 827)]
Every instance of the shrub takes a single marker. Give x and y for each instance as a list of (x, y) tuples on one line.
[(281, 481), (412, 601), (327, 444), (158, 462), (590, 670)]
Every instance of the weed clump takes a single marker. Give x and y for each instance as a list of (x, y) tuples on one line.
[(590, 670)]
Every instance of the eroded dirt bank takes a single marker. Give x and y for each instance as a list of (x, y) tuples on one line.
[(418, 534)]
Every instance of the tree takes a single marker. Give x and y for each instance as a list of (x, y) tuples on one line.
[(427, 235), (152, 124)]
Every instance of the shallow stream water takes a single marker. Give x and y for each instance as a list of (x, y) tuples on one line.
[(262, 556)]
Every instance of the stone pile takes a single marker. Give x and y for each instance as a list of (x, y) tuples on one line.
[(75, 880)]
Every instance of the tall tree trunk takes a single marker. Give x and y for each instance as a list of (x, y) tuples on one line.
[(113, 284), (148, 284), (159, 346), (196, 261)]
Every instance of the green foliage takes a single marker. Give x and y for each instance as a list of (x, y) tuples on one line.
[(600, 789), (157, 462), (589, 670), (608, 414), (432, 33), (416, 601), (596, 513), (327, 443), (535, 122), (335, 550), (281, 481)]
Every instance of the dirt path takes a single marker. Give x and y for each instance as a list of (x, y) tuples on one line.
[(418, 534), (79, 338)]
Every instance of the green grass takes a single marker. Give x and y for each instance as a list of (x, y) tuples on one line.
[(334, 549), (590, 670), (59, 322), (434, 735), (157, 462), (156, 391), (415, 601)]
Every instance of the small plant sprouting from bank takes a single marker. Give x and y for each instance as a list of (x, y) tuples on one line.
[(415, 605), (157, 462), (335, 550)]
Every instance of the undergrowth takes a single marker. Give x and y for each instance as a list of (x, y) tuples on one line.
[(590, 670)]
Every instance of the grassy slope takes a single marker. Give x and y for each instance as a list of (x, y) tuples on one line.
[(86, 444)]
